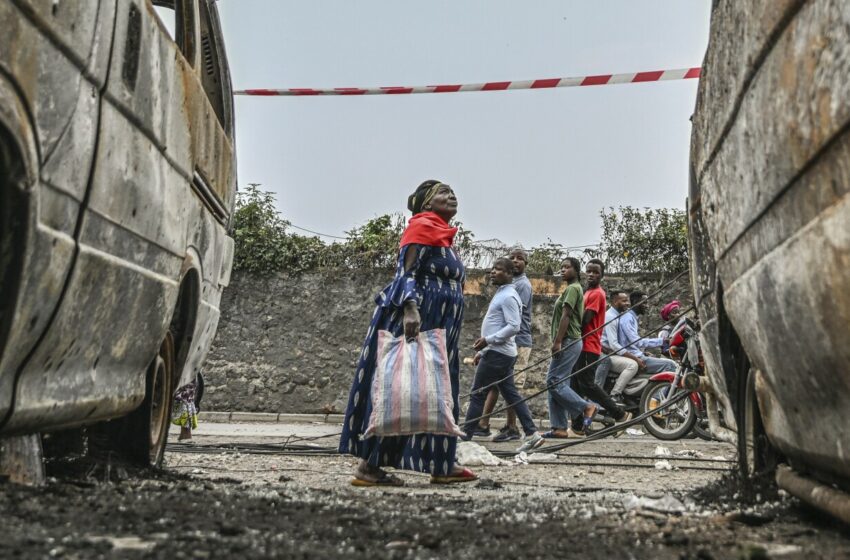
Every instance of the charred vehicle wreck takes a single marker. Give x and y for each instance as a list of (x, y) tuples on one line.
[(769, 211), (117, 180)]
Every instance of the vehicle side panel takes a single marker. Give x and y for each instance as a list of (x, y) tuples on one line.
[(50, 68), (741, 33), (776, 210), (141, 229), (794, 106)]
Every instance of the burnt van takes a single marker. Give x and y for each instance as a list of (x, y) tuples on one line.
[(117, 181), (769, 210)]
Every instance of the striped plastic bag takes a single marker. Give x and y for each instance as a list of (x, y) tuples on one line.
[(411, 388)]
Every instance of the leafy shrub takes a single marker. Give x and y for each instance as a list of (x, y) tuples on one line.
[(633, 240), (644, 240), (264, 244)]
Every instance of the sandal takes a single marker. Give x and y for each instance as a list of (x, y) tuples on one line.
[(385, 479), (465, 475)]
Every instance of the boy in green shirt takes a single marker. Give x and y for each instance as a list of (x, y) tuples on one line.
[(566, 348)]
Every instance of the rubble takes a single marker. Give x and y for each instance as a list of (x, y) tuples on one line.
[(470, 454)]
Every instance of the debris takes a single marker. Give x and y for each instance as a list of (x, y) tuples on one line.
[(665, 504), (542, 457), (488, 484), (470, 454), (661, 451), (663, 465), (398, 544), (750, 519), (689, 453), (635, 432), (520, 458), (123, 543), (719, 458), (769, 550)]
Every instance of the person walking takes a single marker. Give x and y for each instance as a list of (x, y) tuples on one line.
[(567, 314), (519, 258), (184, 410), (497, 353), (426, 293), (584, 380)]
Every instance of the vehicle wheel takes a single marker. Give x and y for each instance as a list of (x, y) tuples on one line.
[(702, 430), (756, 456), (672, 423), (141, 435)]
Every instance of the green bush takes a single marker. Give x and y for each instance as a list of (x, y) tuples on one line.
[(644, 240), (264, 244), (633, 240)]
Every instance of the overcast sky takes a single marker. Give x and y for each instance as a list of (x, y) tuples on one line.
[(526, 165)]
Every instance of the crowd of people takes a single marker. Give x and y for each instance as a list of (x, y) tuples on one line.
[(592, 335)]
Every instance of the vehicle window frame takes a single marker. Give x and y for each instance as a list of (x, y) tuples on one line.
[(214, 71), (184, 26)]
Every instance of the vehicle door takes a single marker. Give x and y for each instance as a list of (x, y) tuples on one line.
[(53, 62)]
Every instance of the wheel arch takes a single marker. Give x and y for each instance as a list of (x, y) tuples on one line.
[(734, 360), (19, 162), (185, 316)]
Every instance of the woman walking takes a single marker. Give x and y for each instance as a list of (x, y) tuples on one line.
[(567, 315), (426, 293)]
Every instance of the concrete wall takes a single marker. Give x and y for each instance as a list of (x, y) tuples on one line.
[(290, 343)]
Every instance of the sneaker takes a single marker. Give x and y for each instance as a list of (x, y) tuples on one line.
[(506, 434), (530, 443), (617, 398), (626, 417), (482, 432)]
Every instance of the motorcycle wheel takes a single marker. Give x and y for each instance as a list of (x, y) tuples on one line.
[(672, 423), (701, 429)]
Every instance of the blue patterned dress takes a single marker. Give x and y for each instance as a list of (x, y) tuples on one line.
[(436, 282)]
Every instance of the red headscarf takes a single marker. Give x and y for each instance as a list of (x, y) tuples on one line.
[(669, 308), (427, 228)]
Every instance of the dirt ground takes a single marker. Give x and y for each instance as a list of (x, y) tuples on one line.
[(603, 499)]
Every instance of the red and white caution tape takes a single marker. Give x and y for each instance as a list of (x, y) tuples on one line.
[(600, 80)]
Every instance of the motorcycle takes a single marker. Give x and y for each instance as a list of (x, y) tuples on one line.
[(688, 414), (631, 395)]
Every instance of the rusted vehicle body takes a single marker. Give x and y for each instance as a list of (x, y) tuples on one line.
[(117, 180), (769, 211)]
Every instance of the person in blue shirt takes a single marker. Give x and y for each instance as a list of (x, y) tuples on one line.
[(519, 258), (625, 365), (497, 352), (629, 336)]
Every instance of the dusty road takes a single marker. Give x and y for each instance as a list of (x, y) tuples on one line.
[(598, 500)]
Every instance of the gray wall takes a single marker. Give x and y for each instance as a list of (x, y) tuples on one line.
[(290, 343)]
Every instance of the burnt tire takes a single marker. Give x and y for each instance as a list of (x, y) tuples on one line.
[(757, 458), (658, 425), (141, 436)]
